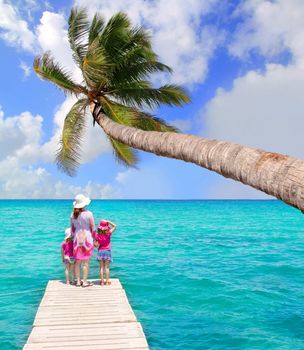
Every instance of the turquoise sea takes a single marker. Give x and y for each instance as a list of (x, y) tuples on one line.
[(199, 274)]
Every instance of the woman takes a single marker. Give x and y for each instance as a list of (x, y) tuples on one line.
[(83, 227)]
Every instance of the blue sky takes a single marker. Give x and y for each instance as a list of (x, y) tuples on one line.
[(242, 63)]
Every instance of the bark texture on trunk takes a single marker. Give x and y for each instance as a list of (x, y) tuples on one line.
[(278, 175)]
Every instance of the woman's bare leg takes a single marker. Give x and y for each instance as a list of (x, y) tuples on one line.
[(101, 272), (77, 271), (73, 273), (107, 268), (85, 269), (67, 271)]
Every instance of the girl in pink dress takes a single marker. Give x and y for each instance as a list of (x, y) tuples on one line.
[(83, 227), (103, 242), (68, 256)]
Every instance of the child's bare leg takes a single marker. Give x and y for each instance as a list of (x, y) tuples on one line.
[(107, 268), (77, 271), (67, 271), (101, 272), (85, 271)]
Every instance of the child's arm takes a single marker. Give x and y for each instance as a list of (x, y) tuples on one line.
[(113, 228)]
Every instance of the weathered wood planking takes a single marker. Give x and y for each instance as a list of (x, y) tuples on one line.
[(97, 317)]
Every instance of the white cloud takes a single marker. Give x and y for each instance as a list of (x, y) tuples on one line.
[(21, 156), (229, 189), (191, 49), (184, 125), (52, 36), (36, 182), (20, 136), (264, 108), (26, 69), (146, 182), (179, 37), (13, 30), (27, 8), (188, 51), (94, 190), (122, 176), (94, 140), (270, 28)]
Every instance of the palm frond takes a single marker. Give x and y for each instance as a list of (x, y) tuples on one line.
[(69, 152), (148, 122), (119, 113), (140, 94), (123, 153), (136, 69), (136, 54), (116, 60), (137, 43), (172, 94), (96, 27), (96, 66), (138, 37), (115, 34), (128, 47), (48, 69), (79, 28), (131, 116)]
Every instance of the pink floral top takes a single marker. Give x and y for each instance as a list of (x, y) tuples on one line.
[(83, 227), (67, 248), (104, 240)]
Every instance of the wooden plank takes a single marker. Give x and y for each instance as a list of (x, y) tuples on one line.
[(78, 295), (123, 342), (57, 333), (97, 317), (85, 347), (85, 320), (65, 312), (88, 292), (110, 344), (103, 307), (59, 285)]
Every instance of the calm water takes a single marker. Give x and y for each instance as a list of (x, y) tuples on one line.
[(199, 274)]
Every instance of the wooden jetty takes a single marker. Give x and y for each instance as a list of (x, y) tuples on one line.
[(97, 317)]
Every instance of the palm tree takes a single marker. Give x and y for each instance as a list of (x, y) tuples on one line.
[(116, 60)]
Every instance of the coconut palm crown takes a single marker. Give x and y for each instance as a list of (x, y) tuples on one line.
[(116, 60)]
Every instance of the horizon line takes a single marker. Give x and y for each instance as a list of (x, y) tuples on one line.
[(140, 199)]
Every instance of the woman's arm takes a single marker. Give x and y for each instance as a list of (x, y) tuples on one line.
[(92, 225), (62, 254)]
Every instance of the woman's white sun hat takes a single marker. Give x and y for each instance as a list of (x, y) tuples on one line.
[(81, 201), (68, 233)]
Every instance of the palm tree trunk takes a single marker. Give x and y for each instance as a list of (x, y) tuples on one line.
[(278, 175)]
